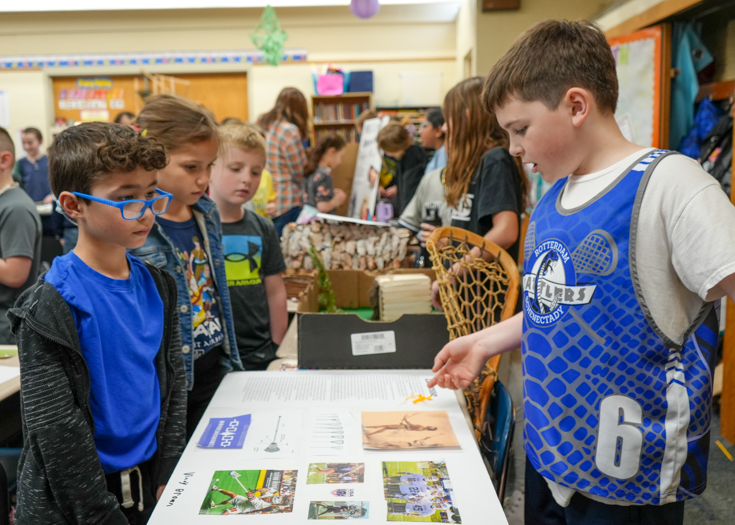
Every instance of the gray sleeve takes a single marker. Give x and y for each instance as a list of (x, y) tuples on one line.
[(19, 230)]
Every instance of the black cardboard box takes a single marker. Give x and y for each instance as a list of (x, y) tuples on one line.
[(325, 341)]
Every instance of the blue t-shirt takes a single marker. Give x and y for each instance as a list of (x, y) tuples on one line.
[(438, 161), (207, 324), (35, 178), (120, 325)]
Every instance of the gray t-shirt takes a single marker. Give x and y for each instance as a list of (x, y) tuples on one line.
[(20, 236), (252, 253), (427, 204)]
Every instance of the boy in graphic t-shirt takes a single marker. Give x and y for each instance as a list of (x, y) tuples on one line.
[(253, 258)]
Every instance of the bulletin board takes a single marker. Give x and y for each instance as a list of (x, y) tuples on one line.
[(102, 98), (643, 62)]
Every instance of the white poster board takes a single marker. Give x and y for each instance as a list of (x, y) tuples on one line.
[(308, 402), (366, 180)]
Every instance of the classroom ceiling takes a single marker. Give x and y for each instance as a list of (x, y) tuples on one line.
[(119, 5)]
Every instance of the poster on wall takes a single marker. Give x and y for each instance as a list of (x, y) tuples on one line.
[(367, 171), (639, 59), (93, 98)]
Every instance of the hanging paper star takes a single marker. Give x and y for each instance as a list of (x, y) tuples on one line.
[(268, 37)]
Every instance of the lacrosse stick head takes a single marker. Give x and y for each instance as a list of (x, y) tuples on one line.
[(478, 281)]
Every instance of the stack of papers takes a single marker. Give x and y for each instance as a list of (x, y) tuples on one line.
[(403, 294)]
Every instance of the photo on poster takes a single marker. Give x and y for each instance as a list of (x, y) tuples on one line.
[(343, 493), (324, 473), (407, 430), (250, 492), (419, 491), (338, 510)]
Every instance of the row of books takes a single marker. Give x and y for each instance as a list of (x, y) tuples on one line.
[(349, 134), (340, 111)]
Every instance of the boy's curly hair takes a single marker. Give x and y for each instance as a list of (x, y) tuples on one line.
[(83, 154)]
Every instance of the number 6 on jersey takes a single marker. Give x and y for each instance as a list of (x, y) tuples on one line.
[(619, 441)]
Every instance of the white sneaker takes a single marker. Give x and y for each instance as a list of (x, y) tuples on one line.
[(215, 487), (513, 507)]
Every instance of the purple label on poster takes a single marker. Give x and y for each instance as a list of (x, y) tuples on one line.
[(225, 432)]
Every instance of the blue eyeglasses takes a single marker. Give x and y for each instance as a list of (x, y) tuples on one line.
[(135, 208)]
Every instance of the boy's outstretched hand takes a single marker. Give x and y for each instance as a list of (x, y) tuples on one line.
[(461, 360), (458, 363)]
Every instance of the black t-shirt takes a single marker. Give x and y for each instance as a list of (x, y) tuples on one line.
[(495, 187), (252, 253), (409, 172)]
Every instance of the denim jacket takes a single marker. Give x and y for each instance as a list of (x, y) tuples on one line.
[(160, 251)]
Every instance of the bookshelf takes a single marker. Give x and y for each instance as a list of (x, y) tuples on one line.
[(337, 114), (416, 115)]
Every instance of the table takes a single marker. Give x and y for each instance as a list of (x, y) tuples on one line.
[(10, 428), (298, 399), (10, 386)]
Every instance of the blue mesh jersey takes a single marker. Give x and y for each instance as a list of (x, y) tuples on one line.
[(613, 407)]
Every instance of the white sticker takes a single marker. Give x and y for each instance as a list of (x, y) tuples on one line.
[(374, 343)]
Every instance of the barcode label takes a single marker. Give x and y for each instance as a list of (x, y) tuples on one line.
[(373, 343)]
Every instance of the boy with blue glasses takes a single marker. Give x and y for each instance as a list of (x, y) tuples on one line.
[(102, 377)]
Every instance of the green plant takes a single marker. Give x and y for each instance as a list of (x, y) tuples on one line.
[(326, 297)]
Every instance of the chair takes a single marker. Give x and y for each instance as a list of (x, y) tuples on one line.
[(497, 436), (479, 286)]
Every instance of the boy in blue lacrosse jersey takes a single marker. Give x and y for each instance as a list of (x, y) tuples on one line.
[(624, 258)]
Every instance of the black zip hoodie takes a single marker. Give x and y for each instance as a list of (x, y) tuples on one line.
[(60, 477)]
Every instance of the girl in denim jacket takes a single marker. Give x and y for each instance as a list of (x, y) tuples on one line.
[(187, 241)]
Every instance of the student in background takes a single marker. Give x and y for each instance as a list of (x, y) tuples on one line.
[(33, 172), (410, 160), (485, 185), (649, 238), (264, 201), (125, 118), (365, 115), (187, 241), (432, 137), (253, 258), (319, 190), (426, 212), (286, 126), (102, 379), (20, 238)]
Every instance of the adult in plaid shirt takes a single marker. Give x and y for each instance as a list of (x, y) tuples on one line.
[(285, 127)]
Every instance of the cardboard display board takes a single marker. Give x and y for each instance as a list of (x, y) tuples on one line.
[(643, 63), (352, 287), (302, 453)]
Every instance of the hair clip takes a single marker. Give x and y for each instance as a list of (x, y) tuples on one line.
[(144, 133)]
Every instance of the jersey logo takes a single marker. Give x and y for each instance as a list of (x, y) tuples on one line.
[(551, 287)]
